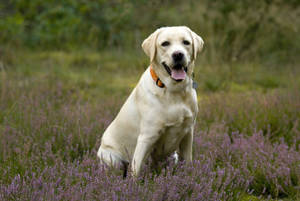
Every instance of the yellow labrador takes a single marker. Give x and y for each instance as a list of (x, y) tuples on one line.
[(158, 117)]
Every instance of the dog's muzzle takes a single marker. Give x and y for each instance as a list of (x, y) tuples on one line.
[(177, 72)]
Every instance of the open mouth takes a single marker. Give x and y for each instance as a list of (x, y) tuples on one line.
[(177, 72)]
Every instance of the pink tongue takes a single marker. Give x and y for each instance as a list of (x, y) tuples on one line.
[(178, 74)]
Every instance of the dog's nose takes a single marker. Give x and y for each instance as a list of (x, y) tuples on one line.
[(177, 56)]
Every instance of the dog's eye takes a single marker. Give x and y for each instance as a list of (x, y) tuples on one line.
[(166, 43), (186, 42)]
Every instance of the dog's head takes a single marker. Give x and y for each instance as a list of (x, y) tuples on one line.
[(173, 50)]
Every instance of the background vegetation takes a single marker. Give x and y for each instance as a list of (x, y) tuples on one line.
[(267, 30), (66, 67)]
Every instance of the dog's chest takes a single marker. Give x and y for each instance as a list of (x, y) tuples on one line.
[(178, 116), (179, 120), (179, 111)]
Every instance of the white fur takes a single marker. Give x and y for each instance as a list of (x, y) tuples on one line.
[(156, 121)]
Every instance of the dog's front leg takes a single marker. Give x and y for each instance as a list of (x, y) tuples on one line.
[(143, 148), (186, 147)]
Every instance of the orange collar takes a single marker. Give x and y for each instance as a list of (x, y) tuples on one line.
[(156, 79)]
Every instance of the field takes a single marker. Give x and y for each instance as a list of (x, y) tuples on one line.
[(66, 68), (55, 106)]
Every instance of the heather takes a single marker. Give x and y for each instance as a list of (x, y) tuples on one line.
[(66, 68), (53, 113)]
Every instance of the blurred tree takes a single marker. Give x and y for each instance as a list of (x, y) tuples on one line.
[(233, 30)]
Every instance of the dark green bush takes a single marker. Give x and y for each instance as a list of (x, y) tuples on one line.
[(233, 30)]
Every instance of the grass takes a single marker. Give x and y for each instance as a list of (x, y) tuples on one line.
[(55, 106)]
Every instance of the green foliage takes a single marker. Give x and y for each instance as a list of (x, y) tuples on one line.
[(62, 24), (232, 30)]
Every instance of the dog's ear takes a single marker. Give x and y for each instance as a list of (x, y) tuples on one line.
[(197, 43), (149, 46)]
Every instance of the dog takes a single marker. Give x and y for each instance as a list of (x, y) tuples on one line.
[(158, 117)]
